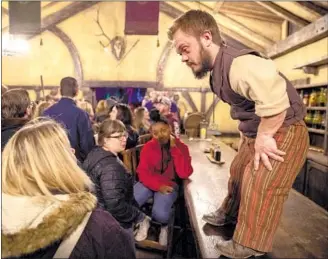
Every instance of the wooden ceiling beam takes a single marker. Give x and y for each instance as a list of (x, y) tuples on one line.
[(218, 6), (314, 7), (301, 11), (184, 7), (238, 37), (262, 12), (283, 13), (50, 4), (68, 11), (231, 38), (65, 13), (254, 14), (323, 4), (311, 33), (238, 27)]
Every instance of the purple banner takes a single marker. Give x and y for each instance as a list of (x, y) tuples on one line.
[(141, 18)]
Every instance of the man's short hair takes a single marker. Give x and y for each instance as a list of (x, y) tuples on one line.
[(14, 103), (68, 87), (196, 22)]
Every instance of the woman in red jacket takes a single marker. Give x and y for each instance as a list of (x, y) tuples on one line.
[(163, 161)]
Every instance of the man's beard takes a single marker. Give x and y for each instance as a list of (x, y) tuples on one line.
[(205, 66)]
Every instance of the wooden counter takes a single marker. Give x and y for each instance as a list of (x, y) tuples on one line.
[(303, 232)]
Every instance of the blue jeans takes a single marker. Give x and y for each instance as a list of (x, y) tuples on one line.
[(162, 202)]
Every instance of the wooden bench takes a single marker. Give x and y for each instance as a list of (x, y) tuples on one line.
[(303, 231)]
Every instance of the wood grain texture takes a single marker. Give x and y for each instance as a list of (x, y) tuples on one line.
[(190, 101), (78, 69), (308, 34), (65, 13), (303, 230)]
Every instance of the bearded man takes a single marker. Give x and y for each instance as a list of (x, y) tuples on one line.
[(274, 138)]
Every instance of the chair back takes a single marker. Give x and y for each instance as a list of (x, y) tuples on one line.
[(143, 139), (129, 159)]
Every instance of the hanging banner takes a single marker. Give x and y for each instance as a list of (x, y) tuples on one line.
[(141, 18)]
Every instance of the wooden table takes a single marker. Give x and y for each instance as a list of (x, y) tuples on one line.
[(303, 231)]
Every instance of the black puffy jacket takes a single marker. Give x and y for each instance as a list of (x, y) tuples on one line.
[(133, 138), (9, 128), (114, 185)]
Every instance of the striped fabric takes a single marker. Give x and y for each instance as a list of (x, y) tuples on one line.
[(260, 195)]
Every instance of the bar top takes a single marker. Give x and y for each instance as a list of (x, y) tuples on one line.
[(303, 231)]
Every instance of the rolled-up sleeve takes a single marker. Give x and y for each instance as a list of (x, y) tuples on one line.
[(258, 79)]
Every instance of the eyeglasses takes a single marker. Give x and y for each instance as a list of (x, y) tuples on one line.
[(121, 136)]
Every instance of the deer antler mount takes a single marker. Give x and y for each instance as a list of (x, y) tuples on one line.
[(118, 44)]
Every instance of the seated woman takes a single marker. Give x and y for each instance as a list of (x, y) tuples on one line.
[(114, 185), (123, 113), (163, 161), (142, 123), (102, 111), (47, 208)]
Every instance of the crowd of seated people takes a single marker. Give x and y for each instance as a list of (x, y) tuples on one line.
[(67, 156), (48, 209)]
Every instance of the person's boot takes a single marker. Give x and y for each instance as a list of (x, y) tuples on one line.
[(162, 240), (219, 218), (232, 249), (142, 232)]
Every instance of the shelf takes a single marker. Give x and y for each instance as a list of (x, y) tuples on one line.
[(316, 108), (318, 157), (311, 85), (318, 131), (315, 62)]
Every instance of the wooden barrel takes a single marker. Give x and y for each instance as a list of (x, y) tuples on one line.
[(191, 124)]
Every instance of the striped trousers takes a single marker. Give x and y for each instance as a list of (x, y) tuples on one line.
[(257, 197)]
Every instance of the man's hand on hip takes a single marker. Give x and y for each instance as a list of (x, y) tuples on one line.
[(265, 148)]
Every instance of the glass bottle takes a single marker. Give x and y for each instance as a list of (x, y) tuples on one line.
[(322, 98), (308, 119), (323, 121), (317, 118), (306, 99), (313, 99), (203, 129)]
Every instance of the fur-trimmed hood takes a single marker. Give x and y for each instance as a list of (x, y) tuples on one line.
[(32, 223)]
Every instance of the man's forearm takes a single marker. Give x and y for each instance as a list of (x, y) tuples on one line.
[(270, 125)]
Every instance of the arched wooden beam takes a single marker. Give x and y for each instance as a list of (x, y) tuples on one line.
[(162, 64), (78, 70)]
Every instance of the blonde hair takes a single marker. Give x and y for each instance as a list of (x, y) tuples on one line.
[(40, 108), (139, 116), (102, 106), (87, 107), (38, 160), (196, 22)]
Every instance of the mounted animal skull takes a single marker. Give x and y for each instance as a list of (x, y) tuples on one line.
[(118, 43), (118, 47)]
